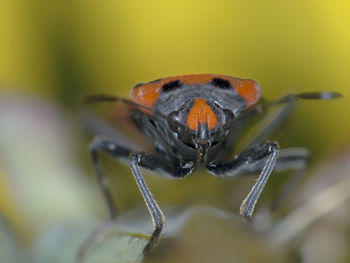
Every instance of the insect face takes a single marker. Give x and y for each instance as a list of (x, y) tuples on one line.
[(198, 105), (199, 123)]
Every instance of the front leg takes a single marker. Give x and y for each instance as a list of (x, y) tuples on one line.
[(153, 163), (136, 160), (262, 158), (157, 215)]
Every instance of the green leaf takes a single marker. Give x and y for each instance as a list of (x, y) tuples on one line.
[(122, 241)]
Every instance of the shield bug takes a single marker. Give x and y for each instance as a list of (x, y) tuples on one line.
[(191, 122)]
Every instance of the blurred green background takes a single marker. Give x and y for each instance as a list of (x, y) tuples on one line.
[(52, 53)]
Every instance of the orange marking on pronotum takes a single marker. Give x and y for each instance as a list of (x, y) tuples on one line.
[(201, 113), (147, 94), (248, 89)]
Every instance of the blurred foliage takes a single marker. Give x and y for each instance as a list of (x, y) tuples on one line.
[(52, 53)]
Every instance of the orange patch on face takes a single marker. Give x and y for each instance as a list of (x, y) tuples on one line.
[(248, 89), (201, 113)]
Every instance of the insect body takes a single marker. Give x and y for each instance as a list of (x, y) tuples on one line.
[(192, 121)]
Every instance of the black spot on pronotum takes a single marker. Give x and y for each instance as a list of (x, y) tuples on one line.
[(221, 83), (172, 85)]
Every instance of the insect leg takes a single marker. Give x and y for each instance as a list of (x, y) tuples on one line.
[(158, 218), (296, 159), (118, 151), (291, 159), (273, 124), (289, 101), (136, 160), (262, 157), (109, 146), (151, 162)]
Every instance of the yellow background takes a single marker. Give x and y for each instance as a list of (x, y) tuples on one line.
[(63, 50)]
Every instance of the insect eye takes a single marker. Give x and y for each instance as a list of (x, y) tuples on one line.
[(174, 115), (174, 121)]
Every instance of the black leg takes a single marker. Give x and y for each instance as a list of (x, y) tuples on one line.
[(290, 159), (158, 218), (151, 162), (137, 159), (296, 159), (257, 159), (272, 124), (262, 158), (109, 146), (288, 103), (293, 159), (288, 99)]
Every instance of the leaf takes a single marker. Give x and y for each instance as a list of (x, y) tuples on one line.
[(63, 243), (122, 241)]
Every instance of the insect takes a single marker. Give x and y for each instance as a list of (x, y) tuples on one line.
[(191, 122)]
